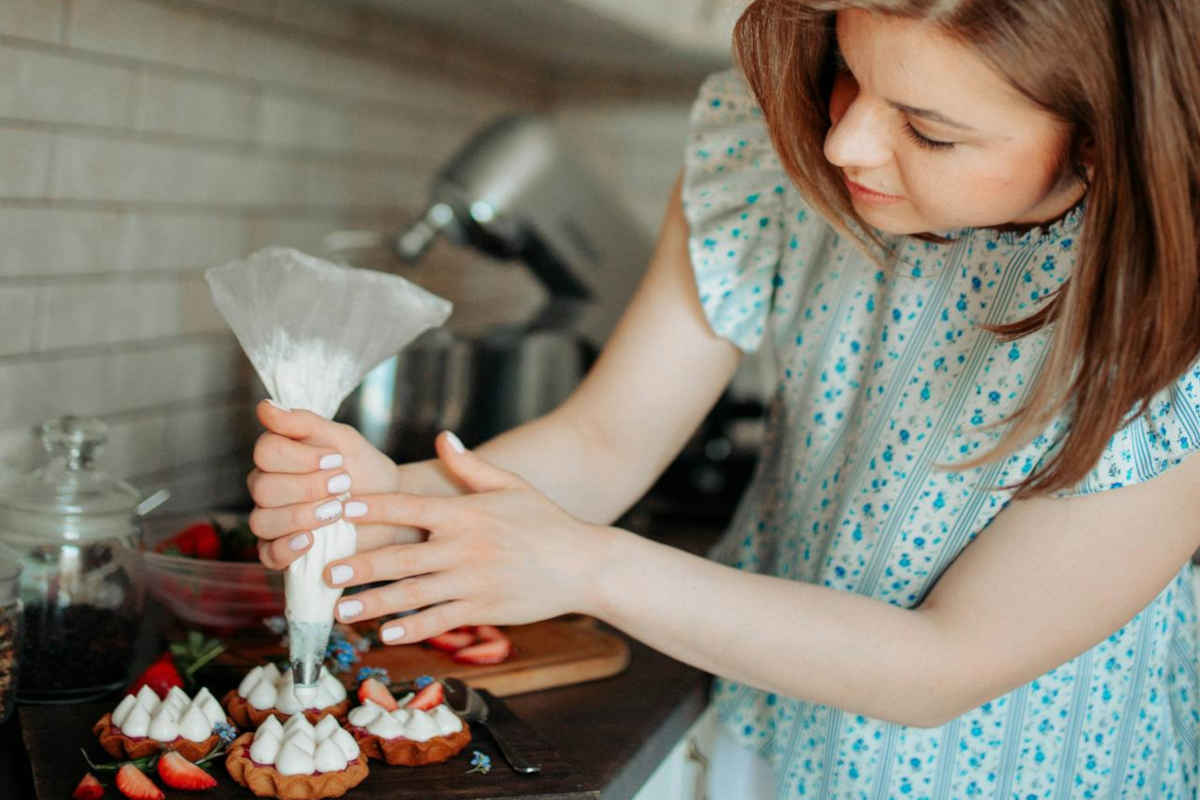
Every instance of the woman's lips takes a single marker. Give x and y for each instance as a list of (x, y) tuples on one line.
[(860, 192)]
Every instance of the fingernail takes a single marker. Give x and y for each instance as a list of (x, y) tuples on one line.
[(392, 634), (341, 573), (455, 442), (331, 461), (338, 483), (298, 542), (352, 608), (281, 408), (328, 510), (355, 508)]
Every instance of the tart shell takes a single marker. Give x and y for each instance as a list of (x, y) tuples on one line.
[(245, 715), (120, 746), (266, 781), (407, 752)]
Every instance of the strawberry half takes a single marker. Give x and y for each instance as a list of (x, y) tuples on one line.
[(179, 773), (134, 784), (88, 789), (159, 676), (429, 697), (451, 641), (492, 652), (371, 689)]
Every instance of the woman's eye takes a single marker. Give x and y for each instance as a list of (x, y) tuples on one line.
[(924, 141)]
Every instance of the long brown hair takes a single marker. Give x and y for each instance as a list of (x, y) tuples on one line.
[(1125, 75)]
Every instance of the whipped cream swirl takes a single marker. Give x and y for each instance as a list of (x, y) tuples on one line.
[(169, 718), (267, 687), (297, 747)]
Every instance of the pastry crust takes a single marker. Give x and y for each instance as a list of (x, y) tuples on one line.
[(407, 752), (266, 781), (245, 715), (120, 746)]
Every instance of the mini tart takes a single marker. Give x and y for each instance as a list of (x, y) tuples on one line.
[(120, 746), (408, 752), (244, 715), (266, 781)]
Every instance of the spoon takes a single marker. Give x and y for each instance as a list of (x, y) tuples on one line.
[(495, 716)]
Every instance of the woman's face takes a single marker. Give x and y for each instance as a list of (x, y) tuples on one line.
[(929, 138)]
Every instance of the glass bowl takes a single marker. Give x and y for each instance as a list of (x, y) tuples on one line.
[(218, 596)]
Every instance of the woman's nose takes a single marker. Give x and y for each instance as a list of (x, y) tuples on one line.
[(858, 136)]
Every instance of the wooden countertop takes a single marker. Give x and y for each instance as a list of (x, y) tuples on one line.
[(609, 734)]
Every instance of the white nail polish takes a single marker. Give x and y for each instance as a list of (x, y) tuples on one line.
[(338, 483), (327, 511), (455, 442), (355, 508), (341, 573), (277, 405), (351, 608), (331, 461), (298, 542), (392, 634)]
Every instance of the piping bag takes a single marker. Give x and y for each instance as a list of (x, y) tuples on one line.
[(313, 330)]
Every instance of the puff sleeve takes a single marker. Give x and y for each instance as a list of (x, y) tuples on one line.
[(733, 198), (1149, 444)]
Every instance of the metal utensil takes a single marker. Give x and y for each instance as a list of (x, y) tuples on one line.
[(472, 706)]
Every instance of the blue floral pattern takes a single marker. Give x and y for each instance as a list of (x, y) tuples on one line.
[(885, 376)]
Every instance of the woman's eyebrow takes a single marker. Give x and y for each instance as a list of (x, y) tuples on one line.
[(931, 115)]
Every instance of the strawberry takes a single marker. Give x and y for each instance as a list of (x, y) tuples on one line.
[(489, 633), (451, 641), (159, 676), (179, 773), (488, 652), (371, 689), (207, 541), (88, 789), (134, 784), (427, 698)]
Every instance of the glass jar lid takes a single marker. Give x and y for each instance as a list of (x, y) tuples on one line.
[(68, 498)]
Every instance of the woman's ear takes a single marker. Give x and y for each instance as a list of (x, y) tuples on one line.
[(1085, 160)]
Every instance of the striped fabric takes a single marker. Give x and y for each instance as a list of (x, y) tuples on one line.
[(884, 376)]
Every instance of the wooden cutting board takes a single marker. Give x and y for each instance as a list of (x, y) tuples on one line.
[(554, 652)]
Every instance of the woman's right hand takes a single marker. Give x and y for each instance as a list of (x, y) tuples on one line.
[(303, 463)]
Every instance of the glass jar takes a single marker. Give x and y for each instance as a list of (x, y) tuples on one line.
[(10, 629), (77, 537)]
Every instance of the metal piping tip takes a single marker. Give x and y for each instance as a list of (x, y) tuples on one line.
[(304, 676)]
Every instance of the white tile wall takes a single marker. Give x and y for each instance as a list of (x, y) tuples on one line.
[(142, 141)]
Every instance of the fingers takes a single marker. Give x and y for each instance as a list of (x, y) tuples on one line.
[(281, 552), (390, 564), (272, 523), (274, 489), (405, 595), (477, 474), (430, 622), (397, 509), (276, 453)]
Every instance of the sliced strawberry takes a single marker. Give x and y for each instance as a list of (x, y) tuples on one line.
[(371, 689), (429, 697), (450, 641), (134, 784), (179, 773), (88, 789), (207, 542), (492, 652), (489, 633), (159, 676)]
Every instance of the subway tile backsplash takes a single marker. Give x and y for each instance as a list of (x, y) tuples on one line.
[(142, 141)]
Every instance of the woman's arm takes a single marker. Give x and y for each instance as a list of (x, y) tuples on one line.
[(1046, 580), (659, 374)]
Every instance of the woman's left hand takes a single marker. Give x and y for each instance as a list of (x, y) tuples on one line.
[(504, 554)]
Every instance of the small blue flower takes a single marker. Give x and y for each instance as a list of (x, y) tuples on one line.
[(226, 732), (480, 763), (378, 673), (423, 681)]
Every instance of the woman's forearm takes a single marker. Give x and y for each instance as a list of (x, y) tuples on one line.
[(793, 638)]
